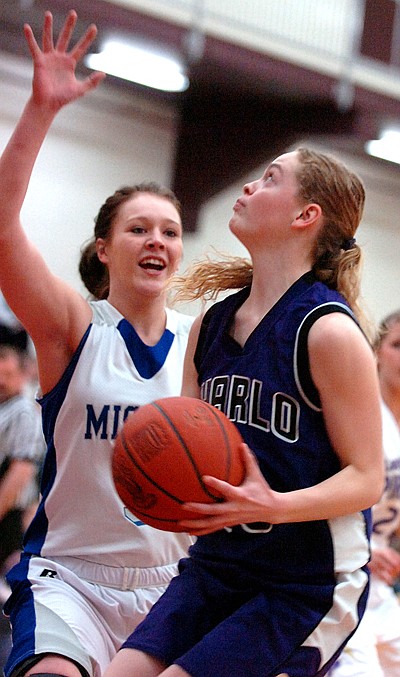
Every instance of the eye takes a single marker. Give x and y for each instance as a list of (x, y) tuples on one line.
[(138, 230), (269, 176), (170, 232)]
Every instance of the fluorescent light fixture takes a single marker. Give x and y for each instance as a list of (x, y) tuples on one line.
[(141, 65), (387, 147)]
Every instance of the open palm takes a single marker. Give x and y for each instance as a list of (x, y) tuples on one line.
[(54, 81)]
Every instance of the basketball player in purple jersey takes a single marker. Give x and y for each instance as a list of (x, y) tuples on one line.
[(277, 580)]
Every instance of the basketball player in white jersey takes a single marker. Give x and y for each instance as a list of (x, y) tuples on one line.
[(90, 570), (374, 650)]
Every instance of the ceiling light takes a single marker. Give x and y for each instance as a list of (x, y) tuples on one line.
[(141, 65), (387, 147)]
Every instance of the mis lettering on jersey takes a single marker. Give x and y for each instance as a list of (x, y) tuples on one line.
[(107, 422), (240, 399)]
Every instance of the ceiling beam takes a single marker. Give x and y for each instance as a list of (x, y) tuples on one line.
[(225, 134)]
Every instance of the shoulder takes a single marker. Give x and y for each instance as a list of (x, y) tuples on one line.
[(340, 354), (324, 335), (20, 418), (336, 330), (20, 404), (104, 313), (179, 323)]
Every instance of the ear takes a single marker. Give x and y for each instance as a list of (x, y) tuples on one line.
[(101, 250), (309, 216)]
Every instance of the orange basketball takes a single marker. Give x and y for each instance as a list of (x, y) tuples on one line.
[(163, 450)]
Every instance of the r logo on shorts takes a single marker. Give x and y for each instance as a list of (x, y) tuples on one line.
[(49, 573)]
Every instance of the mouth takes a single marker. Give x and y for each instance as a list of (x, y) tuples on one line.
[(152, 263), (238, 204)]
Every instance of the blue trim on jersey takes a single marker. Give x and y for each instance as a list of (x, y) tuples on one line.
[(51, 404), (148, 360), (22, 613)]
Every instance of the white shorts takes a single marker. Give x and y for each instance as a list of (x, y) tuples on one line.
[(78, 609), (374, 649)]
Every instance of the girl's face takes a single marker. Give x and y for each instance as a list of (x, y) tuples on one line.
[(269, 203), (388, 355), (145, 247)]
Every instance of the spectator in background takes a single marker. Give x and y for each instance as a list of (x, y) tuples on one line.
[(21, 451), (374, 650), (13, 333), (18, 365), (11, 330)]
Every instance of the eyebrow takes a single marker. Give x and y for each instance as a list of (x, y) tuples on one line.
[(274, 165), (149, 220)]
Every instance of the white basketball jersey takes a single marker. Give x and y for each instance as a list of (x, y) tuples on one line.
[(112, 373), (386, 513)]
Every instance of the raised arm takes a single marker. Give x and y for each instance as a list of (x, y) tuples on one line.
[(53, 313)]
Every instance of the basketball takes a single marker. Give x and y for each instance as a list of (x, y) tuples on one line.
[(163, 450)]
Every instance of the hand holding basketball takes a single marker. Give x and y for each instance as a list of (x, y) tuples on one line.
[(162, 453)]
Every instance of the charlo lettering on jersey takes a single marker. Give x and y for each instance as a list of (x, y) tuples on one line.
[(240, 398)]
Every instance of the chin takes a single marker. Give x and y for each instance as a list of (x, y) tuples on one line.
[(154, 290)]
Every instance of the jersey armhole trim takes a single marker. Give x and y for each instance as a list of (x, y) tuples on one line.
[(301, 361), (198, 354)]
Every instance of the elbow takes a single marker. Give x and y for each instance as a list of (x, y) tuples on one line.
[(375, 494), (376, 486)]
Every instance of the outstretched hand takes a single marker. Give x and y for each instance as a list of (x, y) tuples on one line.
[(385, 564), (253, 501), (54, 81)]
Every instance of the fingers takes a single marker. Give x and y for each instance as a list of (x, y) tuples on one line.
[(248, 456), (64, 38), (47, 35), (66, 31), (205, 508), (32, 44), (92, 81), (84, 43)]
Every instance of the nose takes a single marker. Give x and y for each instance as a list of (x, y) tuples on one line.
[(155, 241), (249, 188)]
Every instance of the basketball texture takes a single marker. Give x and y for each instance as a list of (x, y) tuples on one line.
[(163, 450)]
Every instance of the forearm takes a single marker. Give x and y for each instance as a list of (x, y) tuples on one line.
[(349, 491), (18, 160)]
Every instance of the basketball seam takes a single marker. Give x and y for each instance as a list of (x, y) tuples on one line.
[(213, 411), (144, 473), (187, 451)]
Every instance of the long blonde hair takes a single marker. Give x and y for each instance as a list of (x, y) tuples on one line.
[(337, 257)]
